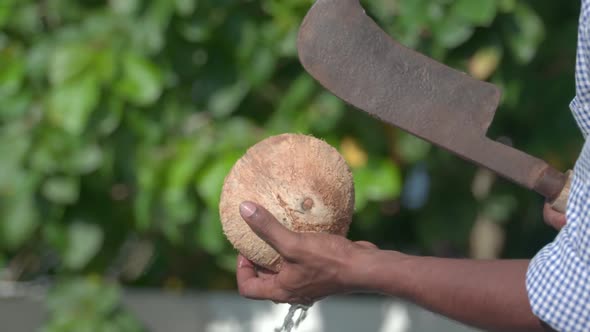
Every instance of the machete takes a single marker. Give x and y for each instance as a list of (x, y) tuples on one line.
[(351, 56)]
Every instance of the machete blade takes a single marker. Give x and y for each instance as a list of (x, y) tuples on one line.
[(351, 56)]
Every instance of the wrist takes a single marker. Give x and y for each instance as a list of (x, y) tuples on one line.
[(377, 271)]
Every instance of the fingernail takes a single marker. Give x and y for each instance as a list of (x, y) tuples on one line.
[(247, 209), (240, 262)]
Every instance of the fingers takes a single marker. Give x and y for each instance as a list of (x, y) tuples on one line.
[(252, 287), (248, 283), (553, 218), (256, 289), (246, 269), (264, 273), (244, 262), (268, 228)]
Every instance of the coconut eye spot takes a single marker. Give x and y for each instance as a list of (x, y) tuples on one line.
[(307, 204)]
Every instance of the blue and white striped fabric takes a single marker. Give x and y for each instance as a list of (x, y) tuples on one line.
[(558, 278)]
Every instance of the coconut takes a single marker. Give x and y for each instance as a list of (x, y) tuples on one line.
[(301, 180)]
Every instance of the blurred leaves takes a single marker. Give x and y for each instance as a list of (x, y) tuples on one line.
[(82, 243), (211, 178), (19, 220), (87, 304), (476, 12), (61, 190), (376, 182), (141, 83), (68, 61), (12, 71), (70, 104), (525, 33)]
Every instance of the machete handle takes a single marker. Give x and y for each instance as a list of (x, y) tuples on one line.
[(559, 204)]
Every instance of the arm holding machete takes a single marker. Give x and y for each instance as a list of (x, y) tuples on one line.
[(487, 294)]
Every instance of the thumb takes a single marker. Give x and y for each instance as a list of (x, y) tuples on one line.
[(267, 227)]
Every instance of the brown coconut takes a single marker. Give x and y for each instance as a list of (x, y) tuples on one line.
[(301, 180)]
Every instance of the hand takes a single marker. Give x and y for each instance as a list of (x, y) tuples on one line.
[(553, 218), (315, 265)]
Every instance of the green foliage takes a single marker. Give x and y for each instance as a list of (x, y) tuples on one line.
[(87, 305), (120, 119)]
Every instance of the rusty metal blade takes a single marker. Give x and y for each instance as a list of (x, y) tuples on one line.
[(350, 55)]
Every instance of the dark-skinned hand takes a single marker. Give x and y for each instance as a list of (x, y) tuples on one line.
[(553, 218), (315, 265)]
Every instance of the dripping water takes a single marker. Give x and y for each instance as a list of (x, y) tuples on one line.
[(290, 321)]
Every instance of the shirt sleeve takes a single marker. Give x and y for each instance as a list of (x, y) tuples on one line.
[(580, 105), (558, 277)]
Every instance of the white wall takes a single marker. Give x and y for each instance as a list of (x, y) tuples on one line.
[(227, 312)]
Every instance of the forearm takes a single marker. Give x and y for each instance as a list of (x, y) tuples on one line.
[(487, 294)]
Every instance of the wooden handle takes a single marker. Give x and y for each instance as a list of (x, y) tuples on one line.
[(560, 203)]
